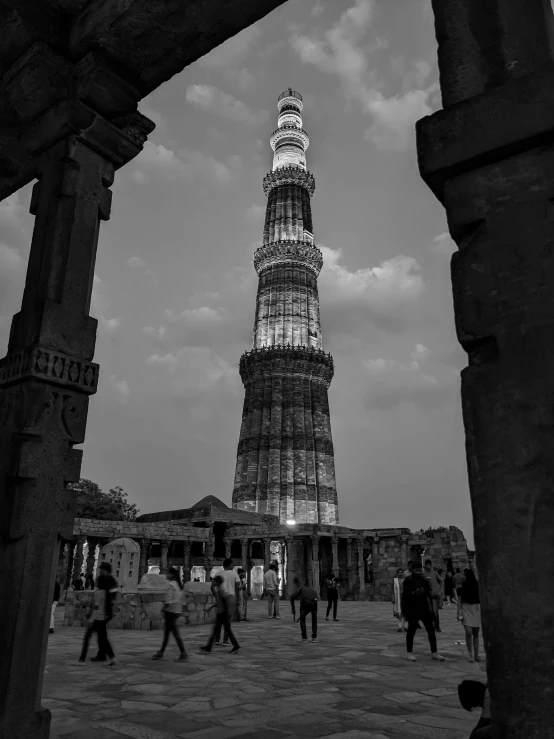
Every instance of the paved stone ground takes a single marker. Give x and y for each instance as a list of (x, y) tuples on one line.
[(355, 683)]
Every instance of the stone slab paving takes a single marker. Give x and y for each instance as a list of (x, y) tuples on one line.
[(354, 684)]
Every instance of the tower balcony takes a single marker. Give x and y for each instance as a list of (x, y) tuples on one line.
[(292, 132), (281, 360), (289, 175), (288, 252)]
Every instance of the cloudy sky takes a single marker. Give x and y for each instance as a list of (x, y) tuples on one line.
[(175, 287)]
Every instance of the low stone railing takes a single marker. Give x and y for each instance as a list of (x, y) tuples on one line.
[(141, 610)]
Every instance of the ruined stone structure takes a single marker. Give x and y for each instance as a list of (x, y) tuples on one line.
[(285, 460), (72, 73)]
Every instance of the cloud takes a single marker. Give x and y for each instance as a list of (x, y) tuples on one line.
[(240, 78), (340, 52), (197, 317), (136, 262), (121, 388), (195, 369), (255, 212), (395, 280), (209, 97), (157, 160), (231, 51), (158, 335), (391, 383), (443, 244), (10, 259), (99, 306)]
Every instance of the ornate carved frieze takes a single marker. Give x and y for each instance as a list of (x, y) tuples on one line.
[(286, 361), (51, 366), (290, 252), (291, 175), (289, 132)]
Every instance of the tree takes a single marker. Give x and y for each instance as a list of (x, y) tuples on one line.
[(93, 502)]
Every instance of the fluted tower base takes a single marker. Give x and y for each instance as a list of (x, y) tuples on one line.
[(285, 459)]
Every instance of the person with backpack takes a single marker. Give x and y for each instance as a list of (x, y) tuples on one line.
[(101, 612), (308, 604), (172, 609)]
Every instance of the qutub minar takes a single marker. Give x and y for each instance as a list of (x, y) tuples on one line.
[(285, 459)]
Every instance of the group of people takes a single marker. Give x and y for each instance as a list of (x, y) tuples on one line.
[(417, 597)]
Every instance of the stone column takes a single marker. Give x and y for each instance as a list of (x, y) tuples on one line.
[(164, 549), (79, 557), (143, 557), (208, 554), (92, 543), (186, 561), (244, 553), (489, 158), (335, 549), (361, 567), (69, 565), (267, 553), (315, 563), (228, 543), (349, 565), (404, 551), (375, 565), (289, 544), (48, 374)]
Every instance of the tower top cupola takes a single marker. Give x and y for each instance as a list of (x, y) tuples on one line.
[(289, 141)]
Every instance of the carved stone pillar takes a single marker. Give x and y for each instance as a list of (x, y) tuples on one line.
[(228, 544), (48, 374), (375, 565), (267, 553), (92, 543), (164, 549), (404, 551), (361, 567), (186, 561), (335, 550), (143, 557), (315, 563), (291, 567), (244, 553), (496, 184), (69, 565), (208, 554), (349, 565), (78, 558)]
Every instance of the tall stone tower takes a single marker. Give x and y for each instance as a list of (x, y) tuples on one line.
[(285, 459)]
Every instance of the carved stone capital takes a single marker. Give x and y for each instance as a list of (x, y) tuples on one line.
[(288, 252), (289, 176), (286, 361), (52, 366)]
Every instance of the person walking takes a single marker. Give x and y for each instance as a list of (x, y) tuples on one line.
[(98, 619), (332, 595), (271, 586), (308, 604), (55, 601), (172, 609), (449, 591), (435, 581), (469, 613), (416, 606), (409, 568), (225, 606), (243, 596), (397, 584), (458, 580)]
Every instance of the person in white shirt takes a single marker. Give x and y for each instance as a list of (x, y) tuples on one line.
[(173, 608), (271, 586)]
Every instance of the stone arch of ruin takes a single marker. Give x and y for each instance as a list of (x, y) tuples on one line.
[(73, 73)]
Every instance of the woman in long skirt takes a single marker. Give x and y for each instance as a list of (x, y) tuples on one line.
[(397, 598)]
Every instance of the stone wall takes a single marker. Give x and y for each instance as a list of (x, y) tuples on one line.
[(142, 611), (163, 530)]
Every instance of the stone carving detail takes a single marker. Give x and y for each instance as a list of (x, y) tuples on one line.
[(291, 175), (291, 252), (52, 366), (286, 361)]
